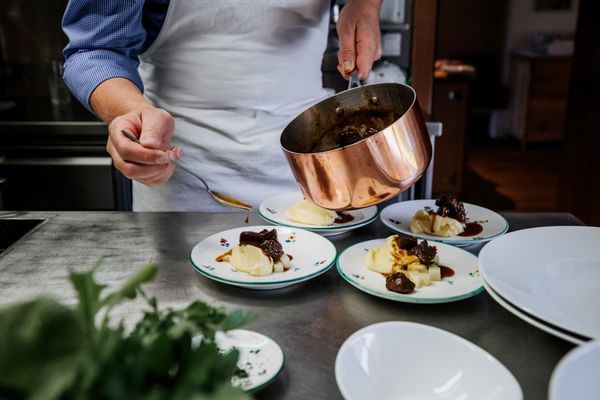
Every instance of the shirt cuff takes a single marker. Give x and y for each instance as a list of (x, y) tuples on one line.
[(85, 70)]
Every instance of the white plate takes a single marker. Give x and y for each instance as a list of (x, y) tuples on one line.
[(465, 283), (576, 375), (553, 330), (551, 273), (406, 360), (273, 210), (398, 216), (260, 357), (312, 255)]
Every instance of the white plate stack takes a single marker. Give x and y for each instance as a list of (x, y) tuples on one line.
[(549, 277)]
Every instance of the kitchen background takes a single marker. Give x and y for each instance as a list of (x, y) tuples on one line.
[(496, 73)]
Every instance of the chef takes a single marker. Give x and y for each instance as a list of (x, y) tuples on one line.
[(209, 82)]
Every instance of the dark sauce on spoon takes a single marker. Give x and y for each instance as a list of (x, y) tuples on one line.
[(232, 200)]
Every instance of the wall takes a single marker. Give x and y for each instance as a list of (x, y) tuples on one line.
[(524, 21), (471, 27), (474, 32)]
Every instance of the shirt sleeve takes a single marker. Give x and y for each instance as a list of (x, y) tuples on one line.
[(105, 39)]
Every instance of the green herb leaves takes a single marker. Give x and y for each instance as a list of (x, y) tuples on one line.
[(49, 351)]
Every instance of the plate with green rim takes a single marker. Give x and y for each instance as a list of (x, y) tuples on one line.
[(273, 209), (260, 358), (465, 283), (305, 264), (397, 217)]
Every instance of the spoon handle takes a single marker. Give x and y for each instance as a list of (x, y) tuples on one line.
[(180, 166), (175, 163)]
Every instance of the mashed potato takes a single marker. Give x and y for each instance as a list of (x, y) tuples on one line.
[(305, 212), (258, 253), (433, 224), (391, 258)]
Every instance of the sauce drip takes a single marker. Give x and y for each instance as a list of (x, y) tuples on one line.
[(472, 229)]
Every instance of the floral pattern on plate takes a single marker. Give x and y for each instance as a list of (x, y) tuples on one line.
[(464, 284), (260, 357), (304, 265), (397, 217), (273, 209)]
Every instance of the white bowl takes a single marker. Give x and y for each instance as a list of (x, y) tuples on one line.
[(406, 360), (576, 375)]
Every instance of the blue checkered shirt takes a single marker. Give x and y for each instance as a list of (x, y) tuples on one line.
[(105, 39)]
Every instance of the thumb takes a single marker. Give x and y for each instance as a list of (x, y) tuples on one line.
[(150, 138), (157, 129), (347, 52)]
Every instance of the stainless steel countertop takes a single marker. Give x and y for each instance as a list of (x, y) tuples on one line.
[(310, 320)]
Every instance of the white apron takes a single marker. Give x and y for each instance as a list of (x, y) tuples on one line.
[(232, 73)]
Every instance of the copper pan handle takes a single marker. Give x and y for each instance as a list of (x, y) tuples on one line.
[(354, 82)]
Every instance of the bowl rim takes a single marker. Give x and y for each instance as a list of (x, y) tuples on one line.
[(571, 356), (373, 327)]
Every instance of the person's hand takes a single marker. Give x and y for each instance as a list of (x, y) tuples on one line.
[(360, 38), (147, 163)]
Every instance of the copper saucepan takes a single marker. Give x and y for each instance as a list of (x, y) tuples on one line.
[(370, 170)]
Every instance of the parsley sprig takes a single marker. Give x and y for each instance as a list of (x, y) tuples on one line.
[(50, 351)]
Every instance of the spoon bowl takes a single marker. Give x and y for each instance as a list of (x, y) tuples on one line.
[(220, 198)]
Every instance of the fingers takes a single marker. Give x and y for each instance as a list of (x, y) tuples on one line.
[(151, 175), (368, 49), (346, 54), (147, 162), (360, 38)]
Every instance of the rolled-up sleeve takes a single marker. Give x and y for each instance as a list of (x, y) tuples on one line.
[(105, 39)]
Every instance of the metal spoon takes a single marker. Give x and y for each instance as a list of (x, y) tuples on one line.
[(220, 198)]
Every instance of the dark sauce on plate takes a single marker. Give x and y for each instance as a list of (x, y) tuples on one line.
[(265, 240), (343, 218), (446, 272), (472, 229)]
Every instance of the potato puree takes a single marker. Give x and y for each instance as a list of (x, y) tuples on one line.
[(258, 253), (305, 212), (433, 224)]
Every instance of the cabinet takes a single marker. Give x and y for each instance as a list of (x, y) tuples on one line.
[(56, 165), (450, 107), (538, 101)]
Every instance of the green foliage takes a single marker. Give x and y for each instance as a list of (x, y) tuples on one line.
[(49, 351)]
